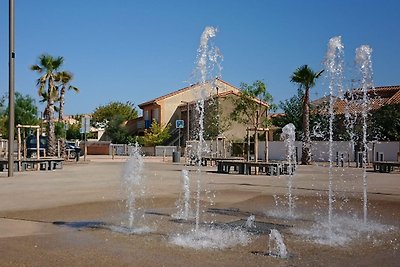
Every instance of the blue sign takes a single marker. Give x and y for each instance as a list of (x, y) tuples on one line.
[(180, 124)]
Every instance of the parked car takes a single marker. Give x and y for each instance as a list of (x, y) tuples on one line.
[(73, 152), (31, 148)]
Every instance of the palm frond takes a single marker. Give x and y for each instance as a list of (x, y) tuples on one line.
[(76, 89)]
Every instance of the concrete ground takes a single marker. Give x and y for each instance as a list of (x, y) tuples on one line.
[(36, 208)]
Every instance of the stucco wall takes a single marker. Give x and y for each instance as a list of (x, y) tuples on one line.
[(169, 112)]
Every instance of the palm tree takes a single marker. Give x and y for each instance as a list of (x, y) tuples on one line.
[(305, 78), (47, 68), (64, 78)]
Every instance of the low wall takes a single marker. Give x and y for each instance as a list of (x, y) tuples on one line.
[(96, 147), (387, 151)]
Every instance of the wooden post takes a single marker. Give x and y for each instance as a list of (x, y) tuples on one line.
[(19, 148), (37, 145), (248, 145), (266, 145), (256, 145)]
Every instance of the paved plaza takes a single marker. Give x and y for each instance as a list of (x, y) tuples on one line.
[(36, 206)]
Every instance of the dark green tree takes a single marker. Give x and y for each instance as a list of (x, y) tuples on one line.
[(113, 118), (104, 114), (293, 113), (116, 130), (385, 123), (306, 79), (25, 112), (73, 131)]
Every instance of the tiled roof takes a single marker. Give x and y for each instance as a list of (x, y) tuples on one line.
[(166, 96), (378, 96), (222, 95), (395, 99), (153, 101)]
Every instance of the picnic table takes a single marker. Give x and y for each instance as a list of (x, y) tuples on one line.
[(250, 167), (213, 160), (385, 166), (46, 163)]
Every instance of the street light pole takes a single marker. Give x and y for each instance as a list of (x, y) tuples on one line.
[(11, 82)]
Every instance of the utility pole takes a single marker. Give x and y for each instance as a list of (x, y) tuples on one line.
[(11, 82)]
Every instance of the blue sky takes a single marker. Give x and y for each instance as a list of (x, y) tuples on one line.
[(131, 50)]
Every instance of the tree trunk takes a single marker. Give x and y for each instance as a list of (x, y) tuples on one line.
[(51, 136), (306, 147), (62, 103)]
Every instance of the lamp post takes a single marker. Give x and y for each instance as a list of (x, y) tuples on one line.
[(11, 82)]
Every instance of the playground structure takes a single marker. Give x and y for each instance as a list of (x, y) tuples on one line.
[(21, 160)]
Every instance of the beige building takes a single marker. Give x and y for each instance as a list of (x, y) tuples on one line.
[(182, 105)]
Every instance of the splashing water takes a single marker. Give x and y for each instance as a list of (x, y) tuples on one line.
[(363, 59), (334, 67), (213, 238), (276, 246), (288, 135), (340, 231), (250, 222)]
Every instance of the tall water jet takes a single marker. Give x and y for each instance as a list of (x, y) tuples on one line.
[(288, 135), (334, 67), (207, 60), (364, 62), (183, 204), (207, 69), (133, 184)]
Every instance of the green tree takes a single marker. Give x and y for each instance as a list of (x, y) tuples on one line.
[(116, 130), (385, 123), (113, 118), (48, 67), (25, 112), (156, 135), (104, 114), (73, 131), (63, 78), (252, 106), (293, 113), (306, 78), (215, 122)]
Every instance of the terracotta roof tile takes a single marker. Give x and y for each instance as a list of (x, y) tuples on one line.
[(395, 99), (379, 96)]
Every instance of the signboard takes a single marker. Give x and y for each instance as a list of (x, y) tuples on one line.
[(85, 125), (180, 124)]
